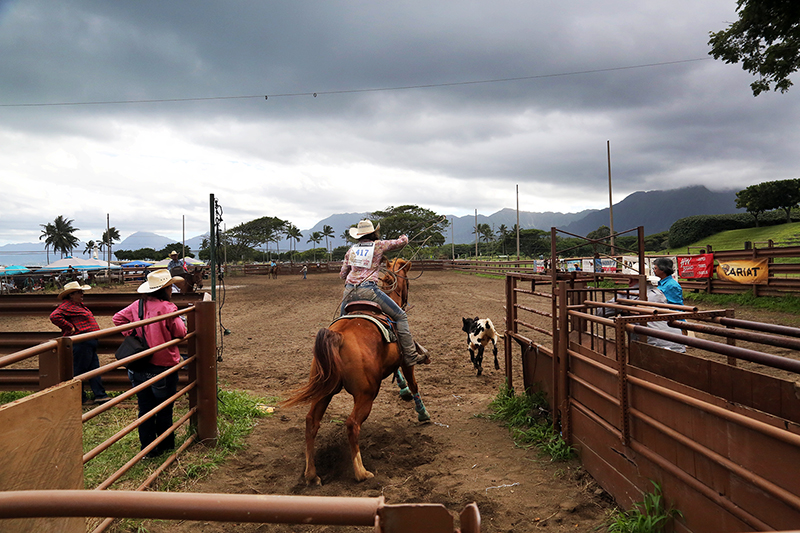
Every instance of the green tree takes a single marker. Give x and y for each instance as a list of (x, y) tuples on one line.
[(316, 238), (423, 226), (89, 247), (293, 234), (765, 39), (502, 231), (59, 236), (327, 231), (782, 194), (753, 199), (110, 236)]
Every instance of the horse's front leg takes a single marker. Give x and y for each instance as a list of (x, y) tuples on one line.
[(361, 408), (405, 393), (313, 419)]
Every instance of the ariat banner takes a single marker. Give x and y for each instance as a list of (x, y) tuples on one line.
[(746, 271)]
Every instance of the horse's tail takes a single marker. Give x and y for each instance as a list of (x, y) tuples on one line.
[(326, 369)]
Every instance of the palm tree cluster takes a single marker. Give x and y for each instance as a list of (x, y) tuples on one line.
[(58, 235)]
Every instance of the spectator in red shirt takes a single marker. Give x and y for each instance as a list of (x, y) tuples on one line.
[(73, 318)]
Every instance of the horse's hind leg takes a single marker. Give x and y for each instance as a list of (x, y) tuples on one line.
[(422, 413), (361, 409), (313, 419), (405, 393)]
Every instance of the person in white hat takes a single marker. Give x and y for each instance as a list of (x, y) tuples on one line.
[(361, 271), (174, 262), (156, 295), (73, 317)]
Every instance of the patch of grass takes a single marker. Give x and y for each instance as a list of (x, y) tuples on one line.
[(238, 413), (652, 515), (781, 304), (10, 396), (530, 423)]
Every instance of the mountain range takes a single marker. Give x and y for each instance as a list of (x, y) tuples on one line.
[(655, 210)]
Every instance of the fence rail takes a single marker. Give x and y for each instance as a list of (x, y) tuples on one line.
[(715, 436)]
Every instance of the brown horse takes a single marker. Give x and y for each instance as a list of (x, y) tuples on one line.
[(191, 279), (273, 272), (353, 355)]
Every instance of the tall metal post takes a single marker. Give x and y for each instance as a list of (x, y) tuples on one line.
[(610, 201), (213, 248), (518, 223)]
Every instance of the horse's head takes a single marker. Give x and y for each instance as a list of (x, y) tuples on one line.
[(395, 281)]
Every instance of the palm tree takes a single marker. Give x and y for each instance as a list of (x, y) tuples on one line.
[(327, 231), (316, 238), (293, 234), (48, 232), (89, 248), (345, 235), (502, 231), (59, 236), (109, 237)]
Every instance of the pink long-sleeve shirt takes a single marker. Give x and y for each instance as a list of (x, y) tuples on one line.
[(352, 273), (158, 332)]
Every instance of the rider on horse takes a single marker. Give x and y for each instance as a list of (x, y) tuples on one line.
[(360, 270)]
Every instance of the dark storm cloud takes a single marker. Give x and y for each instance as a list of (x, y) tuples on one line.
[(568, 76)]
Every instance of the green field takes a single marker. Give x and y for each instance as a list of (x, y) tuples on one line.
[(781, 235)]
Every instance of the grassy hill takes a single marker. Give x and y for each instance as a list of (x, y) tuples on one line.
[(781, 235)]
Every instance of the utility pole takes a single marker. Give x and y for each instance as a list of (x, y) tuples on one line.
[(610, 201), (517, 222), (476, 234)]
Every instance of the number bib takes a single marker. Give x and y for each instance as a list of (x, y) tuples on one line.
[(362, 255)]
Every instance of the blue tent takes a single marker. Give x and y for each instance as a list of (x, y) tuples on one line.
[(13, 270), (136, 264)]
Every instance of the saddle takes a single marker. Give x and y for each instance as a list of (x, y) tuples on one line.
[(372, 312)]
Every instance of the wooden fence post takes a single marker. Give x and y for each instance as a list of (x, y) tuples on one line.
[(55, 366), (206, 350)]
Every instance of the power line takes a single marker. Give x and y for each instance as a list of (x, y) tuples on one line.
[(354, 91)]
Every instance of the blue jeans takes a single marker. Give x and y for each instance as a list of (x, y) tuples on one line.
[(369, 291), (84, 359), (151, 397)]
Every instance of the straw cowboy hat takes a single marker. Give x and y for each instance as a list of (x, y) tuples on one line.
[(173, 252), (363, 228), (71, 287), (157, 279)]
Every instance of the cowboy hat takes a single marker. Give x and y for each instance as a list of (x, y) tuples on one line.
[(71, 287), (158, 279), (173, 252), (364, 228)]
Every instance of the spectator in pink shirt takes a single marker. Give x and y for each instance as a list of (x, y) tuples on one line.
[(156, 294), (361, 271)]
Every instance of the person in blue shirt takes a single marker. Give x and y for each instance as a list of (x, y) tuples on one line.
[(663, 268)]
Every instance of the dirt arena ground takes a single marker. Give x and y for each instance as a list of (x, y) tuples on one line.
[(457, 458)]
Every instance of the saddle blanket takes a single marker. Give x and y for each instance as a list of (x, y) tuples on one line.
[(388, 334)]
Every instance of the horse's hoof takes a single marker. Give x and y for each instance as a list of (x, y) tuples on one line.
[(316, 481), (423, 416), (365, 476), (406, 394)]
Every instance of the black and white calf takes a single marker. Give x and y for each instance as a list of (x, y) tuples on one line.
[(480, 332)]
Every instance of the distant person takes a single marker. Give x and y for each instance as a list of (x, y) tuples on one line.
[(174, 262), (156, 295), (73, 317), (663, 268), (304, 271), (361, 271)]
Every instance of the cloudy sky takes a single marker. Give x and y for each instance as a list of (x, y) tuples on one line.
[(141, 110)]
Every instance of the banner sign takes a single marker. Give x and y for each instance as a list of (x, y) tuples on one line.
[(696, 266), (745, 271)]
